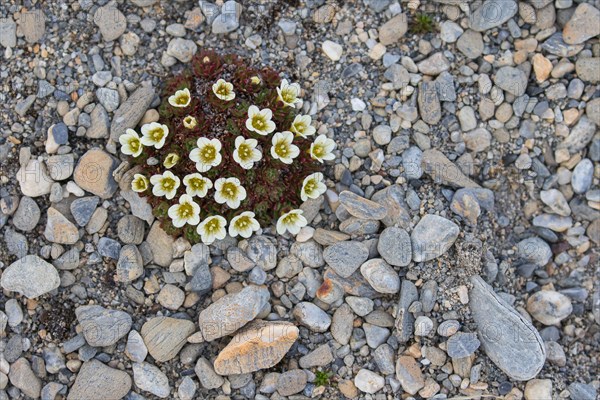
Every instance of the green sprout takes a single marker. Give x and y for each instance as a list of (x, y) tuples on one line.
[(421, 24), (322, 378)]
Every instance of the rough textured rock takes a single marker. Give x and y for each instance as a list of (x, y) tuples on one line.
[(151, 379), (395, 247), (409, 374), (549, 307), (260, 345), (96, 380), (405, 321), (444, 171), (492, 13), (31, 276), (161, 245), (102, 327), (165, 336), (508, 339), (22, 377), (59, 229), (232, 312), (131, 111), (360, 207), (346, 257), (583, 25), (393, 30), (94, 173), (432, 237), (34, 179)]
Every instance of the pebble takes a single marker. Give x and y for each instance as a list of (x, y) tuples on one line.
[(111, 22), (581, 180), (30, 276), (582, 391), (549, 307), (187, 388), (434, 65), (161, 245), (96, 380), (131, 230), (537, 389), (130, 264), (83, 208), (346, 257), (470, 44), (444, 171), (405, 320), (23, 378), (164, 336), (534, 250), (519, 359), (409, 374), (151, 379), (341, 324), (102, 327), (368, 381), (319, 357), (423, 326), (34, 179), (381, 276), (492, 13), (291, 382), (27, 215), (393, 30), (206, 374), (260, 345), (432, 237), (583, 24), (8, 36), (450, 31), (171, 297), (312, 317), (362, 208), (462, 345), (182, 49), (33, 25), (554, 199), (512, 80), (94, 173), (228, 20), (332, 50), (233, 311), (131, 111), (136, 349), (395, 247), (429, 103)]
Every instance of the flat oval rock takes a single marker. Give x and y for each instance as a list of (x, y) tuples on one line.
[(508, 339), (362, 208)]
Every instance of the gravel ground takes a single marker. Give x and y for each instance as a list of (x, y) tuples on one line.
[(454, 254)]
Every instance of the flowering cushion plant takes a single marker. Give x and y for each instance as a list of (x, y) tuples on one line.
[(230, 153)]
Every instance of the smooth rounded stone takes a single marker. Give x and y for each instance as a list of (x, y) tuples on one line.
[(131, 111), (8, 32), (537, 389), (581, 134), (99, 123), (466, 117), (27, 215), (492, 13), (360, 305), (60, 167), (233, 311), (409, 374), (384, 358), (477, 140), (342, 324), (262, 252), (229, 18), (448, 328), (375, 335), (202, 281), (187, 388), (470, 44), (354, 285), (109, 98), (411, 161), (381, 276), (182, 49), (588, 69), (135, 349), (108, 247), (549, 307), (14, 313), (462, 344), (382, 134), (394, 246), (16, 243), (359, 227), (450, 31), (260, 345), (582, 391), (501, 330), (583, 24), (554, 199), (22, 377), (582, 177), (399, 77), (288, 267), (131, 230), (428, 100), (194, 258), (432, 237), (592, 110), (553, 222), (53, 359), (360, 207), (346, 257), (444, 171), (423, 326), (511, 80), (332, 50), (34, 179), (291, 382), (206, 374), (96, 380), (393, 30), (32, 24), (83, 208), (534, 250), (368, 381), (170, 297), (13, 349), (238, 260), (151, 379), (111, 22), (555, 353), (312, 317), (102, 327), (94, 173), (319, 357), (30, 276), (434, 64), (161, 245)]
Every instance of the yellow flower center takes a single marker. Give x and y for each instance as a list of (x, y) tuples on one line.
[(259, 122), (300, 126), (212, 226), (168, 184), (208, 154), (318, 150), (288, 95), (242, 223), (290, 219), (310, 186), (222, 90), (185, 210), (139, 184), (244, 151), (197, 184), (229, 190), (182, 99), (134, 144), (157, 134), (282, 150)]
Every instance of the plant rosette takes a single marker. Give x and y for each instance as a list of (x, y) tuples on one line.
[(230, 153)]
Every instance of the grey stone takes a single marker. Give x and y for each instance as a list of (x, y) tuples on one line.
[(434, 64), (582, 391), (202, 281), (360, 207), (33, 25), (83, 208), (432, 237), (34, 179), (404, 320), (582, 177), (342, 324), (8, 35), (534, 250), (384, 358), (381, 276), (102, 327), (444, 171), (109, 98), (161, 245), (549, 307), (319, 357), (61, 166), (470, 44), (108, 247), (22, 377), (580, 135), (393, 30), (130, 265), (291, 382), (207, 375), (462, 344), (96, 380), (165, 336), (30, 276), (16, 243), (508, 339), (557, 46), (394, 246), (262, 252), (411, 161), (111, 22), (100, 123), (151, 379), (368, 381), (131, 111), (429, 103), (492, 13), (131, 230), (136, 349), (346, 257), (583, 24), (182, 49), (512, 80), (229, 19), (312, 317)]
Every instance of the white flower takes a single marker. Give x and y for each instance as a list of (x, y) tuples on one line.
[(207, 154), (256, 80), (170, 160), (321, 149), (302, 127), (130, 143), (154, 134), (181, 98), (283, 149), (186, 212), (212, 228), (259, 121), (197, 185), (244, 225), (313, 186), (229, 191), (288, 93), (223, 90), (190, 122), (291, 221), (139, 183), (246, 153), (165, 185)]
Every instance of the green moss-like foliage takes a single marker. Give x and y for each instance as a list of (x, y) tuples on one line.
[(422, 23), (272, 187)]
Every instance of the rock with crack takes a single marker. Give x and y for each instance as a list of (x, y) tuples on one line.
[(165, 336)]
